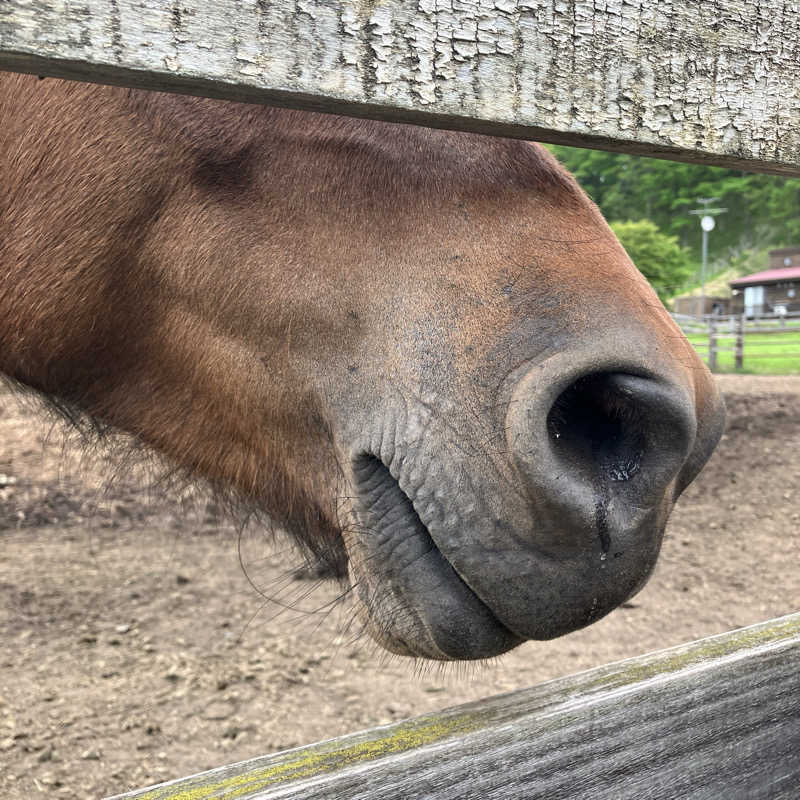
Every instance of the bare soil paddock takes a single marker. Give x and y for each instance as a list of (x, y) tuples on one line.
[(135, 648)]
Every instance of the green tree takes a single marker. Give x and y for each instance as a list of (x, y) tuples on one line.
[(658, 255), (763, 210)]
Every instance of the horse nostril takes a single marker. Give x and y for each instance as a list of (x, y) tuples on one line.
[(600, 453), (614, 428), (598, 427)]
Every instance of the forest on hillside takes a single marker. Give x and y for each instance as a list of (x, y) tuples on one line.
[(647, 201)]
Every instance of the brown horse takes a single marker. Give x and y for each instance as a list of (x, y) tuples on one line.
[(423, 353)]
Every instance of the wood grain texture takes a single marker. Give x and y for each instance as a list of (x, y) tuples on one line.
[(715, 81), (718, 718)]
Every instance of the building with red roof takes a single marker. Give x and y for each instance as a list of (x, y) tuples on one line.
[(775, 290)]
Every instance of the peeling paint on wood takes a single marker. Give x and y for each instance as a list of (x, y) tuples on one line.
[(715, 81), (714, 718)]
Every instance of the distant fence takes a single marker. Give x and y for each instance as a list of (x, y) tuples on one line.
[(768, 343)]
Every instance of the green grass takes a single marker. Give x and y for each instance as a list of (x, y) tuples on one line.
[(777, 354)]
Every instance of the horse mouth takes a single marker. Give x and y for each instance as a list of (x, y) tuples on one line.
[(416, 603)]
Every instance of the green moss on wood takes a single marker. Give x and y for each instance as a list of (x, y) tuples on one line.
[(319, 759), (699, 653), (339, 754)]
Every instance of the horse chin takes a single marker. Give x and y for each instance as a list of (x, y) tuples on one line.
[(412, 600), (469, 582)]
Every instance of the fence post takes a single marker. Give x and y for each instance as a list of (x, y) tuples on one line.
[(712, 344), (738, 352)]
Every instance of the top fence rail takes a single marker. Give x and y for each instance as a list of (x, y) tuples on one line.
[(714, 82)]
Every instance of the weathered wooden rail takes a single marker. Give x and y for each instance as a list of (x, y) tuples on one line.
[(717, 82), (718, 718)]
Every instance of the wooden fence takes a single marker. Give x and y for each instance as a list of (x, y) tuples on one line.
[(714, 82), (768, 343), (718, 718)]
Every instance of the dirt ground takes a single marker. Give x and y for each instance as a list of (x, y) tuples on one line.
[(135, 647)]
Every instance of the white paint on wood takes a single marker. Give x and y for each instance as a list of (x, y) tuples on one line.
[(717, 80), (718, 718)]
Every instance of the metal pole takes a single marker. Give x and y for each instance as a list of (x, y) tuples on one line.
[(703, 274), (706, 225)]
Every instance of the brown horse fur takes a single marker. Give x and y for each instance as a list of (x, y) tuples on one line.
[(212, 278), (103, 190)]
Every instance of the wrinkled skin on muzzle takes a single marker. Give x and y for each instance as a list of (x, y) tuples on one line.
[(531, 438), (423, 353)]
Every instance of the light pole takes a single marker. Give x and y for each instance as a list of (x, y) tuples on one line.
[(707, 224)]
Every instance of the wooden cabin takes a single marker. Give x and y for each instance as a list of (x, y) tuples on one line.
[(775, 290)]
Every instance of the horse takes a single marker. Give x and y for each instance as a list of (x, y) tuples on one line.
[(422, 353)]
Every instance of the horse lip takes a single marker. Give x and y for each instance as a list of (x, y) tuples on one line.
[(472, 615), (399, 530)]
